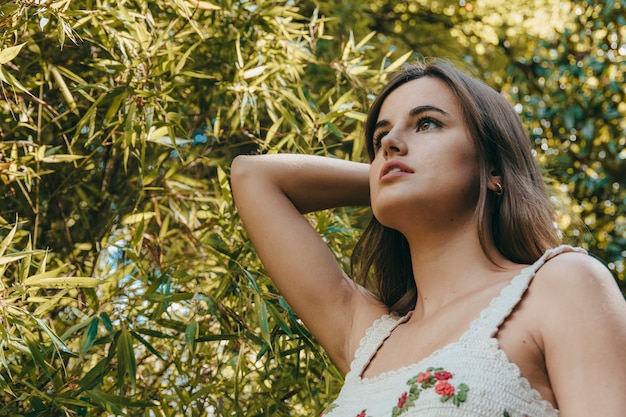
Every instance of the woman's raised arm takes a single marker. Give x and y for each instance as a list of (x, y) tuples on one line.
[(271, 193)]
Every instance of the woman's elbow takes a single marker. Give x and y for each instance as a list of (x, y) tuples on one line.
[(241, 170)]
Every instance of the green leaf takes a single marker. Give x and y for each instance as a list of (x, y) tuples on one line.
[(65, 91), (55, 159), (395, 65), (205, 5), (127, 364), (108, 402), (67, 400), (278, 318), (58, 343), (38, 357), (169, 297), (191, 332), (261, 309), (138, 217), (147, 345), (6, 77), (42, 281), (10, 259), (95, 375), (217, 337), (107, 322), (117, 97), (199, 75), (7, 240), (8, 54), (90, 335), (119, 400)]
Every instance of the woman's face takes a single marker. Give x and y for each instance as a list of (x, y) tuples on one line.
[(425, 166)]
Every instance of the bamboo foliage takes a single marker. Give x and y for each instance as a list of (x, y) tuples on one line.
[(117, 143), (129, 286)]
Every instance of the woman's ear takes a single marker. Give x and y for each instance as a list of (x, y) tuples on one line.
[(495, 182)]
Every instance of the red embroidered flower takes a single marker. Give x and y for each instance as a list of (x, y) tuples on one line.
[(444, 388), (442, 375), (402, 399), (361, 414), (421, 377), (432, 378)]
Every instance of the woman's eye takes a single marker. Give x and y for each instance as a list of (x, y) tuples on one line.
[(378, 137), (427, 124)]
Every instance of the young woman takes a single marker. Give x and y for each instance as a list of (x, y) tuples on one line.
[(450, 324)]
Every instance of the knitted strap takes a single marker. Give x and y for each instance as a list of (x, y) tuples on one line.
[(492, 317), (372, 341)]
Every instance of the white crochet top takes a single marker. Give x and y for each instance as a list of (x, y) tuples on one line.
[(469, 377)]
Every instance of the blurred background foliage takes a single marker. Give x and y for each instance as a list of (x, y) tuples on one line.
[(128, 285)]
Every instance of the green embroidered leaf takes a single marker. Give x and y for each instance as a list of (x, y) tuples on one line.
[(462, 395)]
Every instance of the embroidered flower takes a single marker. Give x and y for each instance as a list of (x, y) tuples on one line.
[(442, 375), (421, 377), (444, 388), (437, 378), (426, 379), (433, 377), (402, 399)]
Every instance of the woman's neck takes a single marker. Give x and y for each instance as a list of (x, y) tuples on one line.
[(450, 263)]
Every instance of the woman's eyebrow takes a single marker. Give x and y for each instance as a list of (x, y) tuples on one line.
[(413, 112), (381, 123), (422, 109)]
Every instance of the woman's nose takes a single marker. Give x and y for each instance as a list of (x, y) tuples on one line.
[(392, 145)]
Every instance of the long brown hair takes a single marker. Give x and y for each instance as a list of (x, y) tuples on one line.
[(520, 221)]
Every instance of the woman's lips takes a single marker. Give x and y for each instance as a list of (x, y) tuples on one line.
[(394, 168)]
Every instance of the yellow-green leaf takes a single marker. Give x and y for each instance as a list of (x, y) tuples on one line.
[(262, 317), (203, 5), (395, 65), (7, 240), (6, 77), (63, 282), (136, 218), (8, 54), (53, 159), (65, 91), (12, 258)]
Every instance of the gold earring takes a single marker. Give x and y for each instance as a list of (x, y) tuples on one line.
[(500, 190)]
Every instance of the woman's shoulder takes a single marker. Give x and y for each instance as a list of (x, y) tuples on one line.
[(576, 286), (580, 313), (577, 270)]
